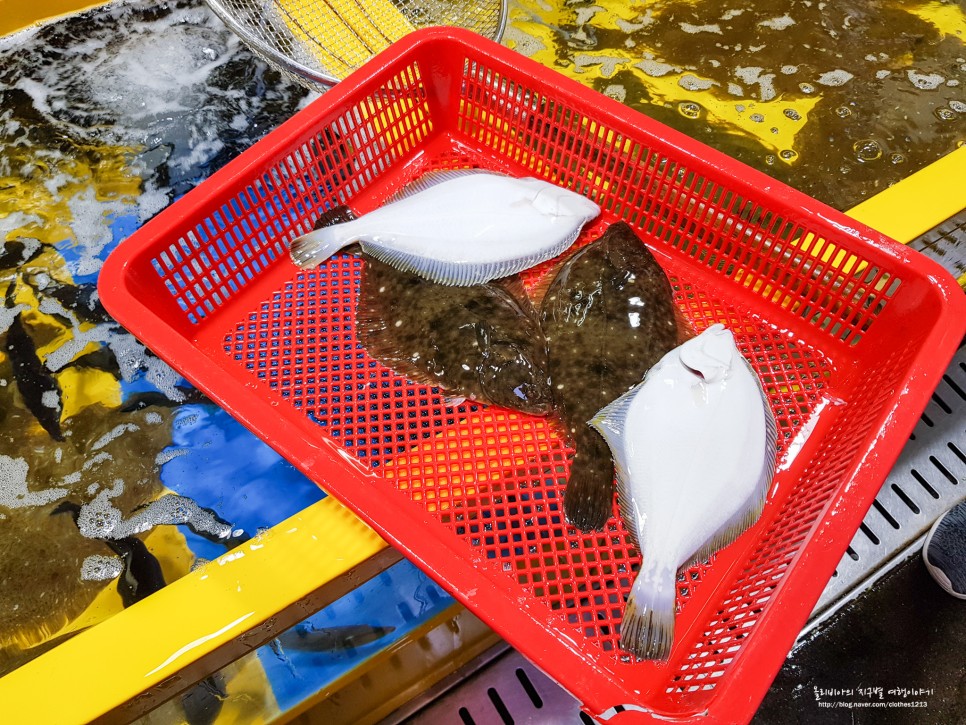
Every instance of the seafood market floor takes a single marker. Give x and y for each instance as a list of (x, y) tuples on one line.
[(904, 634)]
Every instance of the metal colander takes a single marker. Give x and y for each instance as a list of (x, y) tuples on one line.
[(318, 42)]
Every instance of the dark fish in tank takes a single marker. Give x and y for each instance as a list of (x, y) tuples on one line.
[(608, 316), (38, 387), (139, 401), (482, 342), (141, 575), (82, 298), (202, 703), (16, 252), (307, 638)]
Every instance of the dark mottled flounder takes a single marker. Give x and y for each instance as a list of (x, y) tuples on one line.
[(608, 316), (481, 342)]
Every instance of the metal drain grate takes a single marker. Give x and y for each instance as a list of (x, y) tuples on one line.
[(928, 478), (506, 690), (946, 244)]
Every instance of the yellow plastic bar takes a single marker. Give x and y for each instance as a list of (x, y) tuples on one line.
[(18, 14), (150, 652), (919, 202)]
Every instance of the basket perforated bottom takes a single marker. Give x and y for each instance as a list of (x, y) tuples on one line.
[(493, 477)]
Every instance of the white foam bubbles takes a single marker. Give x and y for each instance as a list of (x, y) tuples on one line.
[(694, 29), (642, 22), (925, 81), (156, 73), (169, 454), (585, 15), (112, 434), (779, 23), (99, 519), (7, 315), (834, 78), (608, 64), (692, 82), (523, 43), (173, 509), (755, 75), (655, 68), (14, 492), (615, 91), (98, 568)]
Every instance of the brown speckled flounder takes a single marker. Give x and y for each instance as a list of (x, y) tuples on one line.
[(481, 342), (608, 316)]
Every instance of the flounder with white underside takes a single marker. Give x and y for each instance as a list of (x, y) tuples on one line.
[(694, 446), (460, 227)]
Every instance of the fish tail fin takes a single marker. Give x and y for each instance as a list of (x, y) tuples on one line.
[(589, 497), (647, 628), (317, 246)]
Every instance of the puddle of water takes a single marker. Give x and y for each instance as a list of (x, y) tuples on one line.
[(839, 100)]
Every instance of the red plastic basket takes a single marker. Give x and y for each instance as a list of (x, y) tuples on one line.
[(848, 331)]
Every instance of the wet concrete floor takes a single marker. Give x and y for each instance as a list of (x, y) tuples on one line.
[(897, 655)]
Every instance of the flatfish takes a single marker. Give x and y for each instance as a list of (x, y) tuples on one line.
[(460, 227), (608, 315), (695, 448), (482, 342)]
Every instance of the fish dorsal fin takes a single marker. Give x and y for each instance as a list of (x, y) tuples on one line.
[(458, 274), (513, 286), (539, 290), (611, 423), (429, 179), (745, 517)]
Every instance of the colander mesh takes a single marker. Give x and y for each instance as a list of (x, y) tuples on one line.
[(319, 42)]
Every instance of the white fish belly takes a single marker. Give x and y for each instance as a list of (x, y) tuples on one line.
[(464, 230), (695, 461), (694, 447), (697, 469)]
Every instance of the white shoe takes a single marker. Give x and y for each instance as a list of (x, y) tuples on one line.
[(944, 551)]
